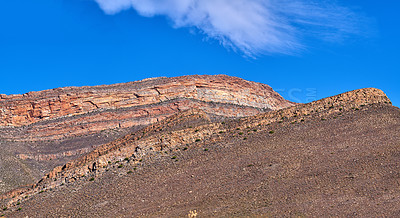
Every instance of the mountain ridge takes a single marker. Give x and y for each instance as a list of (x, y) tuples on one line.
[(131, 146)]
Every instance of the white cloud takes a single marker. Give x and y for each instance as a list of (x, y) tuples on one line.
[(254, 27)]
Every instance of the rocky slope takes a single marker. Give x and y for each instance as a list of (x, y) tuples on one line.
[(264, 156), (40, 130)]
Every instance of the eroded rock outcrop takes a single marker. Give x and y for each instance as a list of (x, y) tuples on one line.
[(18, 110), (76, 111)]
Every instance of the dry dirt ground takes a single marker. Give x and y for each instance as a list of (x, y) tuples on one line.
[(342, 165)]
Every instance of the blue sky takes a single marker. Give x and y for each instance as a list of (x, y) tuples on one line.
[(48, 44)]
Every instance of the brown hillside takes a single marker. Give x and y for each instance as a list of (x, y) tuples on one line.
[(337, 156)]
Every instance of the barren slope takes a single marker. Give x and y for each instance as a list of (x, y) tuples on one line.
[(337, 156)]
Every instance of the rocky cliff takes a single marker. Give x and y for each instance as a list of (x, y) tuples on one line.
[(76, 111)]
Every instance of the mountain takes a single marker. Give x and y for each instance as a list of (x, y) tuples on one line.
[(40, 130), (337, 156)]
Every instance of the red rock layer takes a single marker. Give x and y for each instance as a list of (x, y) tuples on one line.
[(19, 110)]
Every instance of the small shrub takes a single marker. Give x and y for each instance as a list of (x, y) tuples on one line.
[(197, 140), (220, 132), (190, 126), (134, 168), (280, 121), (129, 172), (19, 209), (117, 161), (254, 130), (109, 162), (271, 132), (140, 160), (91, 179), (174, 157), (323, 119), (205, 149), (126, 159), (240, 133), (302, 120), (185, 148), (245, 138), (223, 123), (41, 191), (250, 165), (238, 128), (340, 109), (5, 208), (120, 166), (196, 130)]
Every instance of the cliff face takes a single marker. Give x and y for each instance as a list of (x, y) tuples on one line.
[(18, 110), (76, 111)]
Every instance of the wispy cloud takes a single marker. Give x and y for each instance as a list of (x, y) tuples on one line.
[(253, 27)]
